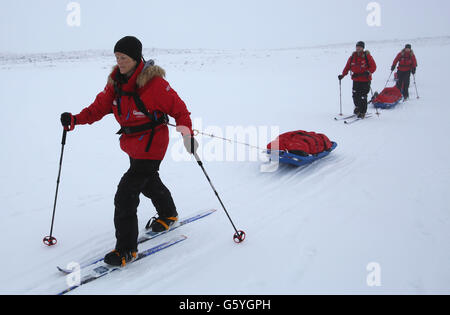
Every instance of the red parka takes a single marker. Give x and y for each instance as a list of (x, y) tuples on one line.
[(361, 65), (158, 97), (406, 61)]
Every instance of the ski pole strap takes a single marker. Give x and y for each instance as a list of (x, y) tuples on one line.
[(198, 160)]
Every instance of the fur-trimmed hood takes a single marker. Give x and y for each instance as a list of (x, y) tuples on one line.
[(367, 52), (148, 72)]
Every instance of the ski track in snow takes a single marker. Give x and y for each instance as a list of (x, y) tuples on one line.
[(381, 196)]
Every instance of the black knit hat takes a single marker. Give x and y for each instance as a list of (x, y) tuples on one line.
[(361, 44), (408, 46), (130, 46)]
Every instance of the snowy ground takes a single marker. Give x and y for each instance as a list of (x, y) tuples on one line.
[(381, 197)]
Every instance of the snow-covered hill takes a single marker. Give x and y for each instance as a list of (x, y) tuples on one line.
[(382, 196)]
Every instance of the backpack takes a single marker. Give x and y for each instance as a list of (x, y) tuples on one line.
[(154, 119)]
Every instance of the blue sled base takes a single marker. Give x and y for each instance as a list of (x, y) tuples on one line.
[(297, 160)]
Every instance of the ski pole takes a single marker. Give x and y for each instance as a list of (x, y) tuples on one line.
[(239, 236), (388, 79), (417, 93), (340, 98), (51, 240)]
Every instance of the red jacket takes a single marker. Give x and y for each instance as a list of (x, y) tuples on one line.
[(359, 64), (406, 61), (156, 94)]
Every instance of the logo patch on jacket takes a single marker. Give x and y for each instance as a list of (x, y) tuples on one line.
[(168, 88), (138, 114)]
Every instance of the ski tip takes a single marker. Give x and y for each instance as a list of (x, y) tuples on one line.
[(176, 239), (65, 271), (207, 210), (180, 237), (205, 213)]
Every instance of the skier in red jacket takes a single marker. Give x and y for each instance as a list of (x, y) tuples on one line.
[(140, 99), (407, 64), (361, 65)]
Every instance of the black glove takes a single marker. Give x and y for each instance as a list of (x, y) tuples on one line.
[(340, 77), (367, 73), (392, 68), (413, 70), (68, 121), (190, 144)]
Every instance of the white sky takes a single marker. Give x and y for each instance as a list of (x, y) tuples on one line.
[(40, 25)]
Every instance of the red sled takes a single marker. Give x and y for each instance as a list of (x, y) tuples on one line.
[(300, 147), (388, 98)]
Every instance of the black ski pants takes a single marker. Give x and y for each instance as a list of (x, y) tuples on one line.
[(403, 82), (141, 177), (360, 92)]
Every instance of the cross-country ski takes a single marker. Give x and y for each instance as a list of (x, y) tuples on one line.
[(148, 235), (101, 269)]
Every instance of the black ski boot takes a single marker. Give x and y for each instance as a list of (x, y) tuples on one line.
[(120, 258), (356, 111), (161, 223), (361, 115)]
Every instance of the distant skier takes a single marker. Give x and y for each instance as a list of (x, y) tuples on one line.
[(361, 65), (140, 100), (407, 64)]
